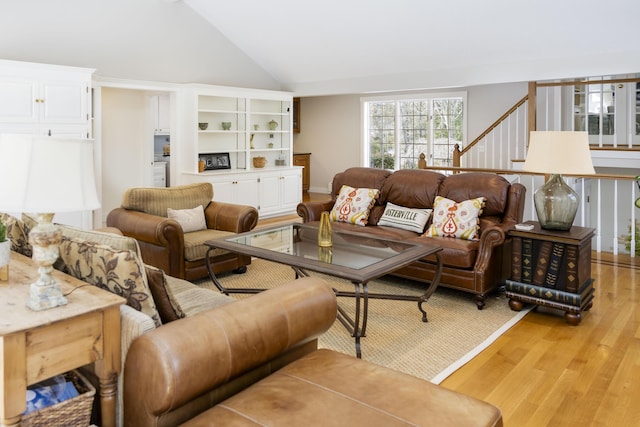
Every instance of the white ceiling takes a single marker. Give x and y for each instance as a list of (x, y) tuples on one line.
[(327, 46), (376, 45)]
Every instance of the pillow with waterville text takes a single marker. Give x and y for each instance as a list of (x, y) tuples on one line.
[(412, 219), (189, 219), (353, 205), (459, 220)]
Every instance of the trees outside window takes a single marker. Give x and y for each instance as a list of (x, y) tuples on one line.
[(397, 130)]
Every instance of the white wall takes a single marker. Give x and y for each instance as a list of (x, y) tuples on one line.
[(330, 126), (124, 150)]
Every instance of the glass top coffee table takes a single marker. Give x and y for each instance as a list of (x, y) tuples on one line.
[(357, 257)]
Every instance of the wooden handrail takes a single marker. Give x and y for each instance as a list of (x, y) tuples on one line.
[(495, 124), (520, 172)]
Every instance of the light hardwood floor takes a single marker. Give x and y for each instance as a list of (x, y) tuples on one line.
[(543, 372)]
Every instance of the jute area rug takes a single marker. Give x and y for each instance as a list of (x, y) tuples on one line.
[(396, 336)]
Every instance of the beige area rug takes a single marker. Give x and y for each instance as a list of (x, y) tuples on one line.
[(396, 336)]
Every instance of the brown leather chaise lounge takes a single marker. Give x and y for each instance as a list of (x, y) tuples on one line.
[(255, 362), (164, 244), (474, 266)]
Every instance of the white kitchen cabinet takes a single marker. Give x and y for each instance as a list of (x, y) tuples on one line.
[(272, 192), (160, 109), (45, 99), (160, 174), (280, 191)]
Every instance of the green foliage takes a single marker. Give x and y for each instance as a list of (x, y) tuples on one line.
[(3, 232), (627, 238)]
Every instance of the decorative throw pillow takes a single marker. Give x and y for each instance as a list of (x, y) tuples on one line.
[(412, 219), (119, 272), (189, 219), (451, 219), (168, 308), (353, 205), (17, 234)]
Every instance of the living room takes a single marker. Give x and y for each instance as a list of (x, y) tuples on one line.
[(150, 46)]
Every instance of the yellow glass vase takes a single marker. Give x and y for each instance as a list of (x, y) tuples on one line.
[(325, 238)]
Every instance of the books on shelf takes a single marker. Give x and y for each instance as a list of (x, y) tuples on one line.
[(550, 294), (542, 263), (527, 260), (516, 258)]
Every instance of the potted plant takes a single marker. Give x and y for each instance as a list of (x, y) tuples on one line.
[(5, 252)]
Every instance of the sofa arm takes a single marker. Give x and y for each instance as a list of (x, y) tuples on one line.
[(148, 228), (223, 344), (310, 211), (231, 217), (490, 238)]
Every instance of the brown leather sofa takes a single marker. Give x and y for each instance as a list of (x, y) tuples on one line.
[(163, 244), (255, 362), (478, 266)]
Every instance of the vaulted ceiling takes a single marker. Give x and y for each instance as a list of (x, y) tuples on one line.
[(328, 46)]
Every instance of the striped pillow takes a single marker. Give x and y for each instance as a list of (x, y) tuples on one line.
[(412, 219)]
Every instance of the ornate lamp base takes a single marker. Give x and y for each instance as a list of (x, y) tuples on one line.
[(45, 237)]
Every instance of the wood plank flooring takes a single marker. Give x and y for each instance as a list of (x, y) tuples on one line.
[(543, 372)]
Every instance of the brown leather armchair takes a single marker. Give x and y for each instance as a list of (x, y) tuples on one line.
[(163, 244)]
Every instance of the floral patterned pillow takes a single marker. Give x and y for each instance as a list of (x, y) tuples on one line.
[(118, 271), (459, 220), (353, 205), (17, 233)]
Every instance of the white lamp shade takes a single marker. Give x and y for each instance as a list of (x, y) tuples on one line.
[(46, 174), (559, 152)]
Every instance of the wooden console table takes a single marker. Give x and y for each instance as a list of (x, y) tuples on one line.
[(553, 269), (36, 345)]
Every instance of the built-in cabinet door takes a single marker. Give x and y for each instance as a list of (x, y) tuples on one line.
[(270, 193), (280, 191), (160, 110), (31, 101), (64, 102), (18, 100)]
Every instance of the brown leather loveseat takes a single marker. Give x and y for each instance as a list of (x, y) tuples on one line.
[(255, 362), (474, 266), (164, 244)]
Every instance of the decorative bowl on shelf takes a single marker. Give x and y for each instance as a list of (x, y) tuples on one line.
[(226, 125), (203, 126), (259, 162)]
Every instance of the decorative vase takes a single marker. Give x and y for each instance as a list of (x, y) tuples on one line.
[(273, 125), (5, 256), (325, 238)]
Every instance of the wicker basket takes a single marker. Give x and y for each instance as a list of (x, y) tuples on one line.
[(72, 412)]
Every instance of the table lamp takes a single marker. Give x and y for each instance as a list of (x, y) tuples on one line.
[(44, 175), (557, 153)]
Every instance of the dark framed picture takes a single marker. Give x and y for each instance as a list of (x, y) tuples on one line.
[(213, 161)]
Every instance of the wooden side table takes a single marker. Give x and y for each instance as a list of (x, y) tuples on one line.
[(553, 269), (36, 345)]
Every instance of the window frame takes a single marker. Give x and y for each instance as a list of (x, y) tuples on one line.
[(396, 98)]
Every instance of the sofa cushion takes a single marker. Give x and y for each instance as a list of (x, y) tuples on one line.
[(413, 188), (194, 247), (189, 219), (359, 177), (460, 220), (464, 186), (118, 271), (156, 201), (353, 205), (412, 219), (190, 299), (455, 253)]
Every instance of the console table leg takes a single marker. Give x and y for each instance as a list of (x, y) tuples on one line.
[(516, 305), (573, 319)]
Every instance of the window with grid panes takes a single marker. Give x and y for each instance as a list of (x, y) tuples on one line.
[(397, 131)]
